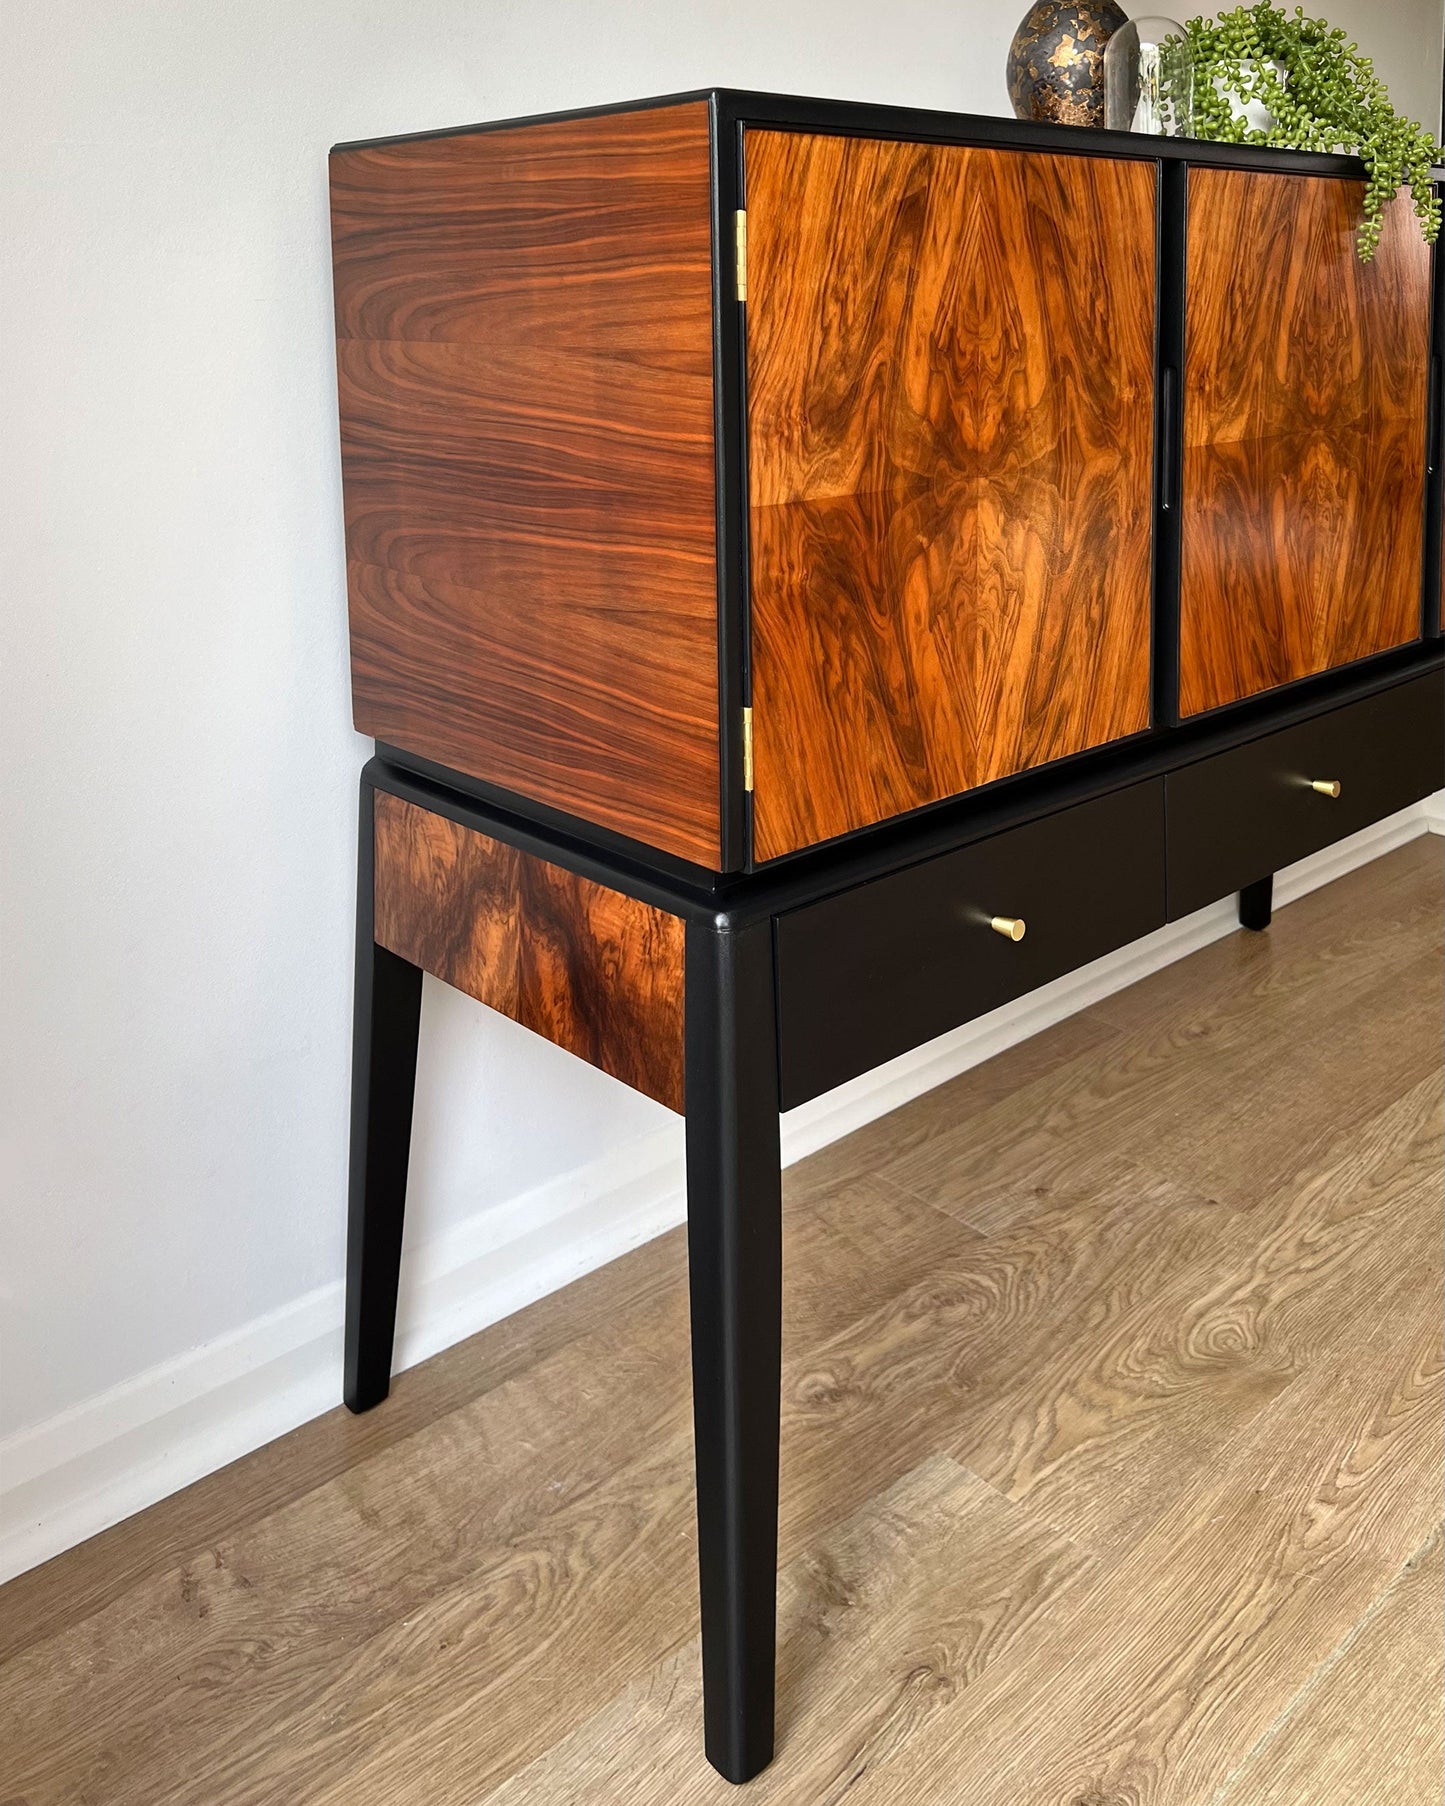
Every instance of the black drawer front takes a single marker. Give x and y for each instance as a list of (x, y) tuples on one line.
[(1241, 814), (882, 968)]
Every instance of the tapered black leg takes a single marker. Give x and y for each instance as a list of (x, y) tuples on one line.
[(1256, 903), (383, 1082), (734, 1240)]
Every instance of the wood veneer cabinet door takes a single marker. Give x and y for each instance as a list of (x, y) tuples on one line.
[(1304, 433), (524, 329), (950, 413)]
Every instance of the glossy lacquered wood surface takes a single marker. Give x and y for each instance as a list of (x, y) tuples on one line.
[(596, 972), (950, 394), (524, 346), (1304, 433)]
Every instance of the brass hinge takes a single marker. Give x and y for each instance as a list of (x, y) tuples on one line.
[(747, 749), (740, 242)]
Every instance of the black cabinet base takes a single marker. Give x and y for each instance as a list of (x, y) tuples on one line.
[(1256, 903), (798, 980)]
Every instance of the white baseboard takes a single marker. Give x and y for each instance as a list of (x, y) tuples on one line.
[(76, 1474)]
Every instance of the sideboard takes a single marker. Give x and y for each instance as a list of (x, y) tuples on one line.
[(819, 571)]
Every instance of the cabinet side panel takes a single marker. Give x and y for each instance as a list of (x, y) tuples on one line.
[(1304, 433), (950, 402), (594, 971), (524, 352)]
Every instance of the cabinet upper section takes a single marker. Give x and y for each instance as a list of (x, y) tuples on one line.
[(997, 462)]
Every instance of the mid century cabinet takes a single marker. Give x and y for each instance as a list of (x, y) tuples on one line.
[(819, 571)]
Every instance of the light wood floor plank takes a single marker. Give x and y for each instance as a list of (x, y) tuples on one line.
[(927, 1368), (1123, 1415), (1215, 1114), (871, 1151), (1357, 1732), (1197, 1639), (880, 1624)]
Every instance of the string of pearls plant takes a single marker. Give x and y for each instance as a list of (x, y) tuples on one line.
[(1323, 95)]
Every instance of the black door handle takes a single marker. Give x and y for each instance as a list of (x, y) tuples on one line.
[(1168, 434)]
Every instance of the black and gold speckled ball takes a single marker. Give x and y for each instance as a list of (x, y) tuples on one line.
[(1056, 61)]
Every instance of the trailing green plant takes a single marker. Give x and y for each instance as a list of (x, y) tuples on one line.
[(1324, 95)]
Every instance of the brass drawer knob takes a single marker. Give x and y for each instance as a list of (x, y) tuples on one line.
[(1010, 927), (1325, 786)]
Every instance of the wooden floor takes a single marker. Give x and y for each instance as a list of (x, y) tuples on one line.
[(1111, 1465)]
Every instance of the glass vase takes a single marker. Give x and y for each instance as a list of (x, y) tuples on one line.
[(1149, 79)]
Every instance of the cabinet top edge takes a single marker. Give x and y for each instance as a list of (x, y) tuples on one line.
[(736, 107)]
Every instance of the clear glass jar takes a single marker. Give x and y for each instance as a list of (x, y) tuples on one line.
[(1149, 79)]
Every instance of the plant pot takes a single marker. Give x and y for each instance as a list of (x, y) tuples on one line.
[(1255, 113)]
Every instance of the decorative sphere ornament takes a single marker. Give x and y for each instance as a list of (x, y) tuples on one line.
[(1056, 61)]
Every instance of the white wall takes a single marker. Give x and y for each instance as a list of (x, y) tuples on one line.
[(1401, 37), (1403, 40), (179, 766)]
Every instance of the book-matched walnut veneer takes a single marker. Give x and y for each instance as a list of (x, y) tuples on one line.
[(583, 966), (949, 469), (1305, 381)]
